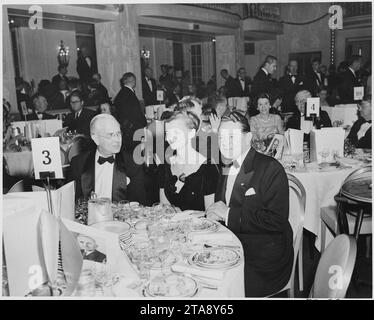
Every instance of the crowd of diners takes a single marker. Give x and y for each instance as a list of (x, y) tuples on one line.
[(209, 163)]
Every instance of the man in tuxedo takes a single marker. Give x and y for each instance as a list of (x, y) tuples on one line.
[(314, 79), (104, 91), (289, 85), (253, 201), (85, 65), (242, 84), (130, 115), (40, 106), (149, 87), (360, 134), (229, 83), (107, 171), (263, 82), (79, 119), (62, 71), (349, 79)]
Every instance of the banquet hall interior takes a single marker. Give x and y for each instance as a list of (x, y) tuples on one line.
[(295, 77)]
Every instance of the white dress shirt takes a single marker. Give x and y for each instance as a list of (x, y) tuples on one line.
[(88, 60), (242, 82), (130, 88), (149, 83), (354, 73), (103, 177), (305, 125)]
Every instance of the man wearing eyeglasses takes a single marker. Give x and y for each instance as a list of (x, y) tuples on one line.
[(107, 171)]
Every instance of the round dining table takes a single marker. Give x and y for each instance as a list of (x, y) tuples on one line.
[(227, 283)]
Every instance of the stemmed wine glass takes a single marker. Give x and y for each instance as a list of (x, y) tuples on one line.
[(324, 154)]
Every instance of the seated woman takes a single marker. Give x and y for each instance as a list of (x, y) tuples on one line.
[(298, 121), (265, 124), (360, 134), (187, 179), (322, 93)]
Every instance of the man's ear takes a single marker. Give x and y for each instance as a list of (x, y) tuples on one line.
[(95, 139)]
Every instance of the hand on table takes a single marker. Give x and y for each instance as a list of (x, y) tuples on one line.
[(218, 211)]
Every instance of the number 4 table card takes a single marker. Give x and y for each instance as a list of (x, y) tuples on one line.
[(46, 158), (312, 107)]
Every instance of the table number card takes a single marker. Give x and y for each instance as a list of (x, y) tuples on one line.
[(46, 158), (160, 95), (312, 107), (358, 93)]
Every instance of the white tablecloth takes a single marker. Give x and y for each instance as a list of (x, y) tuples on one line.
[(232, 284), (320, 188)]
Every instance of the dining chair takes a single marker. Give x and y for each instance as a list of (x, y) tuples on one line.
[(335, 268), (297, 200), (348, 216)]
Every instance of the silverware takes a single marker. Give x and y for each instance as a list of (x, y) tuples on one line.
[(198, 279)]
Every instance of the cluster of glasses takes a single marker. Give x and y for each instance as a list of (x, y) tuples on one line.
[(81, 211), (293, 161)]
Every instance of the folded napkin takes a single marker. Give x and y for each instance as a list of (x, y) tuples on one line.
[(225, 236), (184, 268)]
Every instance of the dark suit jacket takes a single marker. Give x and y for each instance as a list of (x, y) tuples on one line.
[(230, 87), (365, 141), (322, 122), (313, 82), (346, 84), (104, 92), (83, 172), (56, 80), (150, 97), (84, 71), (238, 90), (262, 83), (289, 90), (261, 223), (96, 256), (82, 124), (34, 116)]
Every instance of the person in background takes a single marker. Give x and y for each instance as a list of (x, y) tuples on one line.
[(104, 91), (85, 65), (263, 82), (360, 133), (163, 79), (106, 170), (350, 79), (323, 71), (95, 95), (242, 84), (298, 121), (149, 87), (265, 125), (289, 85), (41, 106), (80, 117), (62, 71), (107, 108), (252, 201), (229, 83), (187, 179), (322, 94), (173, 96), (276, 104), (314, 79)]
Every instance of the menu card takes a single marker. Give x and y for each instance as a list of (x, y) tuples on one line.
[(238, 102), (294, 140), (325, 143)]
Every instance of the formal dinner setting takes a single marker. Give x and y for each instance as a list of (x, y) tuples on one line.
[(187, 151)]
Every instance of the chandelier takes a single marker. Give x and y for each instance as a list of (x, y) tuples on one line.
[(63, 55), (145, 54)]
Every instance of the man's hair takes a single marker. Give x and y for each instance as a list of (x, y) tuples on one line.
[(303, 94), (126, 77), (73, 83), (322, 88), (97, 118), (76, 93), (269, 59), (316, 60), (37, 96), (241, 68), (237, 117), (353, 59), (191, 120)]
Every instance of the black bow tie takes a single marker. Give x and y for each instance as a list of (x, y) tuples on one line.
[(232, 163), (102, 160)]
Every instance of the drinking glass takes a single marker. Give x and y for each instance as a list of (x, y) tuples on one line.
[(324, 154)]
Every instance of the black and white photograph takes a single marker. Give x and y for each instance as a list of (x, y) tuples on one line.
[(164, 150)]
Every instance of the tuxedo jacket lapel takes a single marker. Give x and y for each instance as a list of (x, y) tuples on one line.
[(243, 180), (119, 184), (88, 175)]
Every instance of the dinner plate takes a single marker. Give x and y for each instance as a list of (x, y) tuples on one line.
[(171, 285), (118, 227), (204, 225), (215, 258)]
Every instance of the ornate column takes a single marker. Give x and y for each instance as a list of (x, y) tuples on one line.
[(9, 86), (225, 56), (117, 49)]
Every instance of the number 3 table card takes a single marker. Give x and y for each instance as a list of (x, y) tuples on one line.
[(46, 158)]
